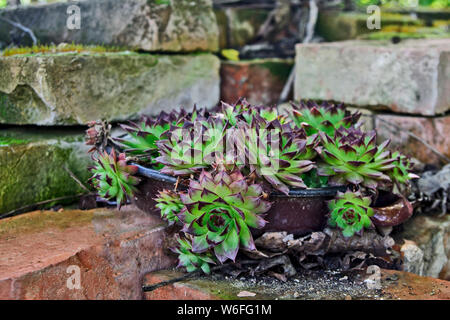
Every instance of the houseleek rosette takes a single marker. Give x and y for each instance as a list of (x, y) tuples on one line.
[(192, 261), (352, 156), (277, 153), (169, 203), (192, 148), (113, 177), (351, 212), (142, 136), (244, 111), (401, 173), (219, 210), (326, 117)]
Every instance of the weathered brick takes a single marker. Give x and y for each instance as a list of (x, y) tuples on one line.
[(113, 249)]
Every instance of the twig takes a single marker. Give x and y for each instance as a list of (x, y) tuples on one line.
[(21, 27), (412, 135), (19, 210), (72, 175), (193, 275), (287, 87), (313, 13)]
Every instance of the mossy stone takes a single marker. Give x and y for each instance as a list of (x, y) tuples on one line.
[(334, 25), (33, 166), (75, 88)]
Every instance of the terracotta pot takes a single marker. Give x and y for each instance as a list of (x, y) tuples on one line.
[(391, 210), (301, 212), (148, 189)]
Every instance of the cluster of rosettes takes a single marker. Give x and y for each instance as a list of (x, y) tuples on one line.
[(113, 178), (216, 212), (326, 117), (219, 153), (352, 157)]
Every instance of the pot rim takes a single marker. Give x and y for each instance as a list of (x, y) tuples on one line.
[(293, 193)]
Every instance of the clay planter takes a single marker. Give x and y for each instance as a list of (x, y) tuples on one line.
[(153, 181), (391, 210), (299, 213)]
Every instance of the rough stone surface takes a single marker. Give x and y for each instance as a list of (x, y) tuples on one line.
[(432, 235), (409, 286), (367, 118), (435, 131), (150, 25), (410, 77), (32, 165), (412, 257), (333, 25), (259, 81), (113, 249), (76, 88), (393, 285)]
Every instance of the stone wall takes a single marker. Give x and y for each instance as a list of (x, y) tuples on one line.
[(405, 88), (66, 89), (162, 58), (150, 25)]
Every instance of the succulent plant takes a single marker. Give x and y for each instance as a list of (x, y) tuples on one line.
[(219, 209), (277, 153), (192, 148), (192, 261), (242, 110), (352, 156), (98, 135), (401, 173), (326, 117), (350, 211), (113, 177), (170, 205), (142, 138)]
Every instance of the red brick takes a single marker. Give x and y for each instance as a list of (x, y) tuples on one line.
[(113, 249), (259, 81)]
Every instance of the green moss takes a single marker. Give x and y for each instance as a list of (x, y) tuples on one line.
[(401, 35), (8, 141), (52, 49), (406, 33), (33, 171)]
